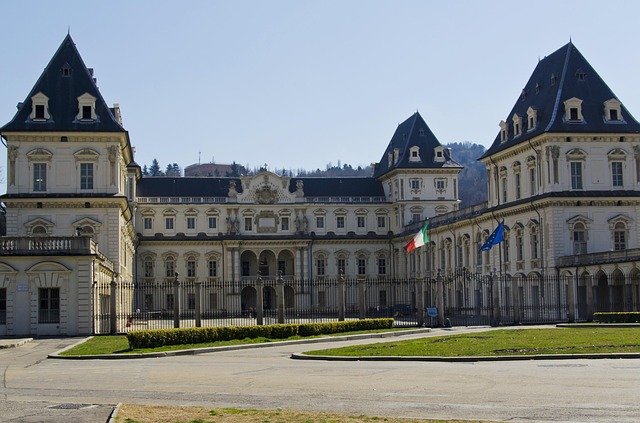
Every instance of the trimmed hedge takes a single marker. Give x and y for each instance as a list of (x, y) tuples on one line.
[(161, 337), (617, 317)]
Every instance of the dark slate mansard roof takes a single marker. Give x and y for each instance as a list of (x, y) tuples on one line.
[(413, 132), (63, 93), (574, 77), (162, 186)]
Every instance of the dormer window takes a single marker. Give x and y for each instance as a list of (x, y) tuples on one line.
[(396, 155), (581, 75), (40, 108), (553, 79), (573, 110), (517, 125), (612, 111), (421, 132), (504, 131), (414, 154), (538, 88), (86, 107), (532, 118), (439, 154), (390, 159)]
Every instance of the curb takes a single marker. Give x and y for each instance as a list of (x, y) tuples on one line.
[(468, 359), (195, 351), (18, 342)]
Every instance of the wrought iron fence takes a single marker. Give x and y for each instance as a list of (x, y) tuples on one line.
[(460, 299)]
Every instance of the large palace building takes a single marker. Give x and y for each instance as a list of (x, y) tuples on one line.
[(564, 177)]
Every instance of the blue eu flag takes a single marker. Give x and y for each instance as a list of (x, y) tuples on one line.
[(495, 238)]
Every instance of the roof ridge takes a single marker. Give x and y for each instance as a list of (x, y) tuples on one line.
[(559, 94)]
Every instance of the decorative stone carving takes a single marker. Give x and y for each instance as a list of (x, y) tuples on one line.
[(232, 189), (266, 195)]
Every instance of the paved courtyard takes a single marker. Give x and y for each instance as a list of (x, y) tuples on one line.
[(580, 390)]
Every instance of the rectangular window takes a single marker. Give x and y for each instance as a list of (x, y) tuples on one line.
[(505, 249), (616, 174), (381, 222), (319, 222), (49, 305), (213, 222), (320, 267), (191, 222), (340, 222), (576, 175), (362, 266), (579, 242), (212, 266), (519, 250), (191, 269), (518, 186), (504, 190), (86, 112), (168, 223), (248, 224), (191, 301), (440, 185), (148, 223), (40, 177), (170, 268), (573, 113), (415, 184), (382, 298), (534, 245), (285, 223), (382, 266), (361, 222), (619, 241), (86, 175), (613, 114), (148, 269), (40, 111), (3, 306), (342, 266), (532, 181), (246, 269), (416, 217)]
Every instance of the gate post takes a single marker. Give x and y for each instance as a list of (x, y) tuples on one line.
[(362, 292), (420, 300), (113, 313), (176, 302), (198, 286), (515, 296), (280, 297), (588, 281), (571, 297), (440, 298), (259, 300), (341, 300), (495, 298)]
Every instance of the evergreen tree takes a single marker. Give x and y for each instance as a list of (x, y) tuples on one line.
[(145, 171), (154, 170)]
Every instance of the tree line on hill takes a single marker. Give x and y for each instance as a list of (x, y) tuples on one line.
[(472, 181)]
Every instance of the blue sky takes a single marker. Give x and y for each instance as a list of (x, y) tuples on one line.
[(298, 84)]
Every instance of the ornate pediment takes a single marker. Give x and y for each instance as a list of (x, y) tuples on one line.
[(266, 188)]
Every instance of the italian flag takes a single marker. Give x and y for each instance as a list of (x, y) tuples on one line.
[(419, 240)]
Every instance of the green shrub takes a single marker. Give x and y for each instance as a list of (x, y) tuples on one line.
[(139, 339), (617, 317)]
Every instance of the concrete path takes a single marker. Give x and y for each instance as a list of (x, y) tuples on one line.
[(580, 390)]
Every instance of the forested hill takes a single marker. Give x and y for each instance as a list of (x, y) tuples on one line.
[(472, 182)]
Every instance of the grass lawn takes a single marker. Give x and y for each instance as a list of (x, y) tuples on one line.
[(504, 342), (157, 414), (117, 344)]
